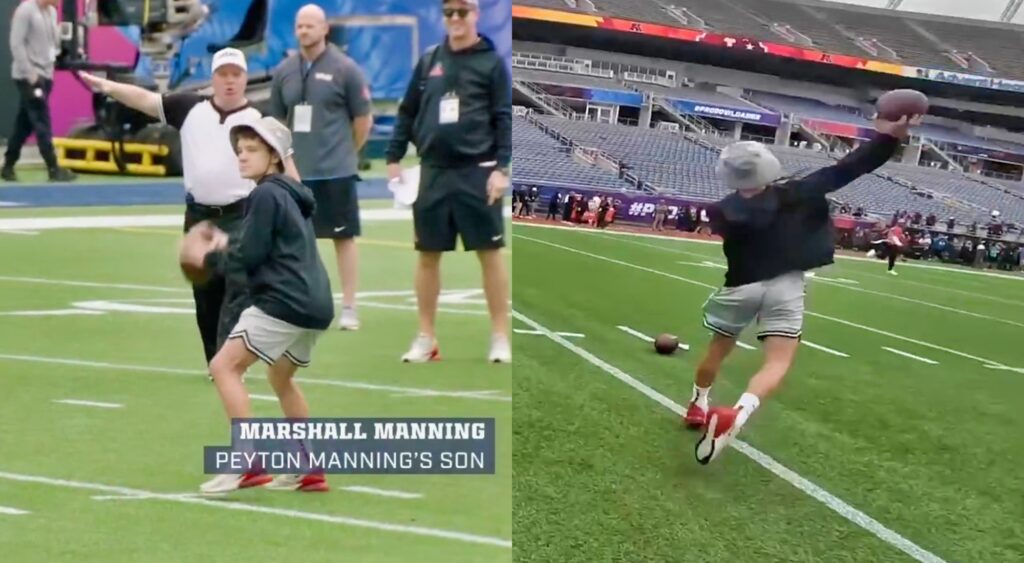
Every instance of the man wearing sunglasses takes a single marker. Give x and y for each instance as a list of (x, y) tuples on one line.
[(457, 110)]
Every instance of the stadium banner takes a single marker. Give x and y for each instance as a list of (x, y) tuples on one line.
[(638, 208), (726, 112), (618, 97), (846, 130), (397, 446), (766, 47), (983, 152)]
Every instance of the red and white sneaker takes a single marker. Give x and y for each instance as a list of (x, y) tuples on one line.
[(720, 430), (423, 349), (695, 416), (308, 483), (228, 482)]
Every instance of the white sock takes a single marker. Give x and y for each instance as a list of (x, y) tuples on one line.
[(747, 404), (700, 396)]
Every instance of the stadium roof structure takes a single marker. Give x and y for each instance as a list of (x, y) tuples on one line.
[(911, 44)]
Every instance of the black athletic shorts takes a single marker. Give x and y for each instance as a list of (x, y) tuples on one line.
[(452, 203), (337, 207)]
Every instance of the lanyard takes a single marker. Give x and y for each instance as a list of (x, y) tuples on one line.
[(305, 72)]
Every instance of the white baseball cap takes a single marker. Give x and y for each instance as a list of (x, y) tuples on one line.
[(747, 165), (229, 56), (272, 131)]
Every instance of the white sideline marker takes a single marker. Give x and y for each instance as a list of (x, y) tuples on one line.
[(82, 403), (814, 491), (537, 332), (745, 346), (13, 511), (263, 397), (381, 492), (909, 355), (825, 349), (643, 336)]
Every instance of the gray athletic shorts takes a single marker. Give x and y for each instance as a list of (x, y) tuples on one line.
[(271, 338), (776, 304)]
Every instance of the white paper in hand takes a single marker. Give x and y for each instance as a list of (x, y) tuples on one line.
[(407, 188)]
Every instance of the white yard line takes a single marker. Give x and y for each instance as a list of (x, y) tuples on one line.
[(382, 492), (263, 397), (19, 232), (13, 511), (644, 337), (719, 243), (50, 313), (29, 280), (821, 495), (484, 394), (745, 346), (534, 332), (920, 302), (164, 220), (909, 355), (810, 313), (240, 506), (635, 333), (84, 403), (824, 349)]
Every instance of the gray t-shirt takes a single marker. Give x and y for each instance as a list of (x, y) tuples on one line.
[(336, 89), (34, 41)]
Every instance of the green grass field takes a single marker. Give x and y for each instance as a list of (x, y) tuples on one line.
[(929, 446), (102, 315)]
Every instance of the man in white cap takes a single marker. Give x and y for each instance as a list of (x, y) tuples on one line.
[(773, 231), (214, 189)]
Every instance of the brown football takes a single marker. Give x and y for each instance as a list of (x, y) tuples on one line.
[(894, 105), (191, 253), (666, 344)]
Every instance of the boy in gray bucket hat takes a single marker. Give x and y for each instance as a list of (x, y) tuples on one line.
[(288, 287), (773, 230)]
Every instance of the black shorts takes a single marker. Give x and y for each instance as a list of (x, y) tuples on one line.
[(337, 207), (452, 203)]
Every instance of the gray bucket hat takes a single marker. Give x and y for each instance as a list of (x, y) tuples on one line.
[(272, 131), (747, 165)]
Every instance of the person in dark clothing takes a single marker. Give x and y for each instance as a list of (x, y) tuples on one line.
[(35, 42), (602, 212), (457, 110), (290, 292), (951, 224), (772, 232), (553, 207), (568, 206)]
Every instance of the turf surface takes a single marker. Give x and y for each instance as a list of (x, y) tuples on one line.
[(603, 473), (55, 457)]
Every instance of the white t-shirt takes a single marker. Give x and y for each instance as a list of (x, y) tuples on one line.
[(209, 162)]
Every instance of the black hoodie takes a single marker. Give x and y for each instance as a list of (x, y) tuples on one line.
[(276, 249), (787, 227), (484, 130)]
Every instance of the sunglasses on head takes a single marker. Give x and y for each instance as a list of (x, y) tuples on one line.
[(462, 12)]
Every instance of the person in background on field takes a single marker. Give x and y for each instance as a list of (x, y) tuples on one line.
[(552, 214), (35, 44), (322, 94), (896, 242), (214, 189), (660, 214), (457, 110)]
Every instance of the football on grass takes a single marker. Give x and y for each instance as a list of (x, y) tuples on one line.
[(666, 344), (895, 105)]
